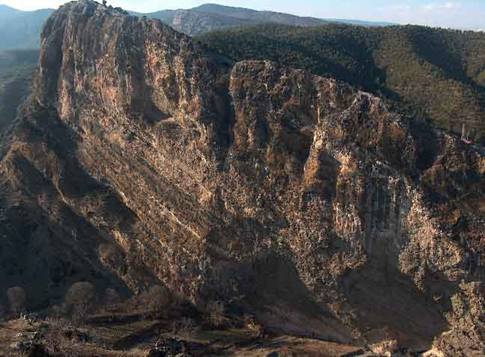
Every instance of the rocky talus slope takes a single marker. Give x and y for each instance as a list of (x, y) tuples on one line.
[(142, 159)]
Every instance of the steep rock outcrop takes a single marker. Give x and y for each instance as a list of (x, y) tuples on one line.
[(143, 159)]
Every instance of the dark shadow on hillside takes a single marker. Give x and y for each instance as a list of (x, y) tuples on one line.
[(58, 245), (272, 289), (389, 306)]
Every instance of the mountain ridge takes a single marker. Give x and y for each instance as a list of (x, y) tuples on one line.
[(404, 64), (23, 26), (245, 12), (144, 159)]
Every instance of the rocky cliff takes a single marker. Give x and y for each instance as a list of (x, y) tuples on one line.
[(143, 159)]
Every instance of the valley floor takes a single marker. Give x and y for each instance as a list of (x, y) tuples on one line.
[(129, 335)]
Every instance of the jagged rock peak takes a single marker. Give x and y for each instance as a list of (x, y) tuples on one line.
[(84, 36), (91, 8)]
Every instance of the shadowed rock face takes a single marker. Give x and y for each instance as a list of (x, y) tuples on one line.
[(140, 159)]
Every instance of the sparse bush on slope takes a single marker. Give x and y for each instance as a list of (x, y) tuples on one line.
[(80, 299)]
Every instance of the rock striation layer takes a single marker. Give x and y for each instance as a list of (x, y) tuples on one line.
[(142, 159)]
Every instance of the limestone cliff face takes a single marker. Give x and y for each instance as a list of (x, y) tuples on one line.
[(143, 159)]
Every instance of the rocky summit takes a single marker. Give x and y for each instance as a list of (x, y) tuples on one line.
[(144, 159)]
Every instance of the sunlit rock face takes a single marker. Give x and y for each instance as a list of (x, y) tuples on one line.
[(143, 159)]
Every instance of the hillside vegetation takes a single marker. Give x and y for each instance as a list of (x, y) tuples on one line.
[(16, 70), (432, 73)]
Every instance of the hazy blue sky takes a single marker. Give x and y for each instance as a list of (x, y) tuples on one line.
[(444, 13)]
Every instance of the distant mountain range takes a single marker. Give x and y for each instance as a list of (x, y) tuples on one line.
[(21, 29), (210, 17)]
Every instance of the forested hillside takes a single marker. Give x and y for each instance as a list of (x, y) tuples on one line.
[(16, 70), (437, 74)]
